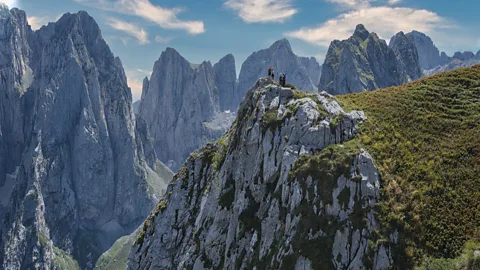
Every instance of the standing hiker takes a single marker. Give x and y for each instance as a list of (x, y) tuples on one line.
[(273, 74), (270, 72)]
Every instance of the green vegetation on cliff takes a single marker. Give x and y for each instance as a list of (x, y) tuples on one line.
[(425, 138)]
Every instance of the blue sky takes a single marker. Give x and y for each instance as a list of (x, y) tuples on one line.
[(139, 30)]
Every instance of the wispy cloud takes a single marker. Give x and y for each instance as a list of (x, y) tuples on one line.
[(262, 11), (163, 40), (37, 22), (356, 4), (129, 28), (164, 17), (394, 2), (135, 81), (383, 20)]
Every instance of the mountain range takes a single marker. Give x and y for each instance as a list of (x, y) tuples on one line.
[(268, 177)]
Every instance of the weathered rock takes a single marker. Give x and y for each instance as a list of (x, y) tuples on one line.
[(365, 62), (83, 163), (283, 189), (280, 55)]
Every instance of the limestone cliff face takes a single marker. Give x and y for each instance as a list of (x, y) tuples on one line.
[(79, 176), (280, 55), (283, 189), (365, 62), (181, 106)]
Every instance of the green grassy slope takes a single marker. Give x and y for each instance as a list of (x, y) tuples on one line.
[(425, 138)]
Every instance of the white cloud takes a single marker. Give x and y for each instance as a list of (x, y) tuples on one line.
[(135, 78), (37, 22), (262, 11), (136, 87), (394, 2), (383, 20), (164, 17), (129, 28), (355, 4), (160, 39)]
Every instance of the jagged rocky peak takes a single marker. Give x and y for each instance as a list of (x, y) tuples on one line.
[(365, 62), (181, 105), (429, 55), (85, 170), (463, 56), (226, 81), (285, 188), (361, 32)]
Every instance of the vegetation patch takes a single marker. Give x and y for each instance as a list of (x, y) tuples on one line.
[(425, 138)]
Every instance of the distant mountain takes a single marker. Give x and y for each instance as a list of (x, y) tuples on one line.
[(365, 62), (77, 168), (429, 55), (136, 106), (226, 82), (181, 105), (459, 60), (301, 72), (434, 62)]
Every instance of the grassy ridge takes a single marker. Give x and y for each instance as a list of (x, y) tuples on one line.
[(425, 137)]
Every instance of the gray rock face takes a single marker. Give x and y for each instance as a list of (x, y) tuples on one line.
[(226, 82), (82, 159), (365, 62), (269, 194), (407, 55), (428, 54), (181, 105), (282, 58)]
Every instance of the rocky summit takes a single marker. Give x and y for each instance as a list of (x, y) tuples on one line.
[(77, 169), (281, 190), (181, 104), (365, 62)]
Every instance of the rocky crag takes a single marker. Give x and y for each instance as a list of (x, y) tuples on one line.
[(365, 62), (301, 71), (77, 169), (284, 189), (181, 104)]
